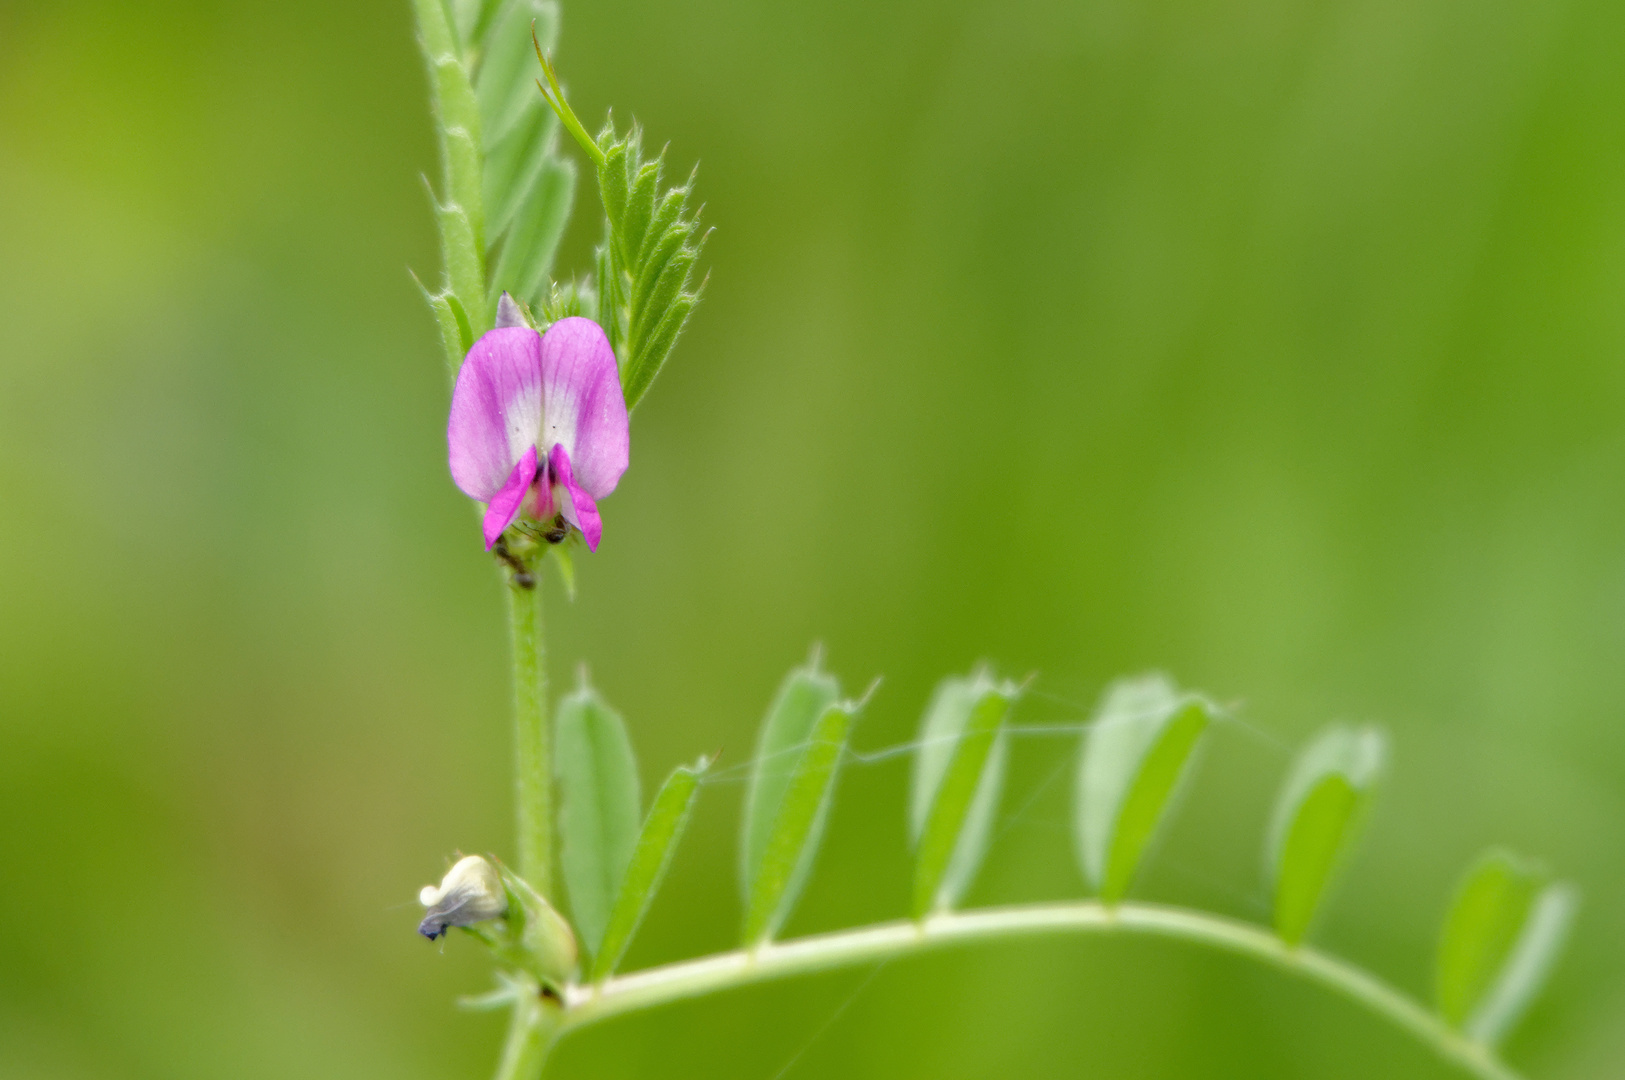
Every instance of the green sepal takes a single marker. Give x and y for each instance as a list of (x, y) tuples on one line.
[(531, 936), (564, 559)]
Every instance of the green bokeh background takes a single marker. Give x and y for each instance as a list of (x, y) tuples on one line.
[(1276, 343)]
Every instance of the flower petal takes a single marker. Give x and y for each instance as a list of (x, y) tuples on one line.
[(577, 505), (584, 409), (496, 409), (505, 503)]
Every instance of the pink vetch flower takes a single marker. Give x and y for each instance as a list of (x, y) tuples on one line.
[(538, 424)]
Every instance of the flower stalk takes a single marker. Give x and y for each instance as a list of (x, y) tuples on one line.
[(533, 759), (524, 1052)]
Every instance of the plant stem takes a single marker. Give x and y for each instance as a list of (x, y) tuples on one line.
[(524, 1051), (461, 307), (692, 978), (532, 760)]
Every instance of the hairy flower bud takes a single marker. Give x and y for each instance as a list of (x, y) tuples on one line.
[(471, 892)]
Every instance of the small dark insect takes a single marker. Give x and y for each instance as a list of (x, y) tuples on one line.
[(557, 530), (522, 576)]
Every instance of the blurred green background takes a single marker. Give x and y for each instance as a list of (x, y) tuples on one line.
[(1277, 343)]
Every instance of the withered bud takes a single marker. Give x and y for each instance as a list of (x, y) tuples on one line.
[(471, 892)]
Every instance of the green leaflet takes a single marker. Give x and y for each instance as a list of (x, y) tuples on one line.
[(792, 842), (513, 166), (954, 790), (598, 808), (1320, 808), (528, 189), (1138, 748), (802, 698), (473, 17), (662, 829), (652, 241), (1504, 931), (526, 255), (646, 263), (505, 81)]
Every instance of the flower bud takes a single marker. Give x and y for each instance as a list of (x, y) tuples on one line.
[(510, 313), (471, 892)]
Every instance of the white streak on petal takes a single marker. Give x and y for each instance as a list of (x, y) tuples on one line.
[(496, 410)]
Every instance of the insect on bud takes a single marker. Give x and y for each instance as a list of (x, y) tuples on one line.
[(471, 892)]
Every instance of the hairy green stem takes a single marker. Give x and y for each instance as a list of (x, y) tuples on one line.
[(533, 762), (524, 1051), (459, 209), (706, 975)]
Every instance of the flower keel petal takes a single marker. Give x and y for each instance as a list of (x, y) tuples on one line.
[(504, 507), (578, 507)]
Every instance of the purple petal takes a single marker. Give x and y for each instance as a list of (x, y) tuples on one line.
[(577, 506), (496, 409), (585, 411), (505, 503)]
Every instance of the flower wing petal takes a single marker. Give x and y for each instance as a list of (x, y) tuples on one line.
[(577, 506), (496, 409), (504, 506), (584, 409)]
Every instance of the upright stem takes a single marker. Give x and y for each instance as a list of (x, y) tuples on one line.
[(524, 1052), (532, 760)]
